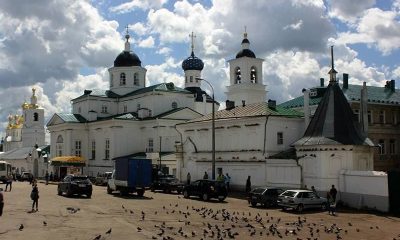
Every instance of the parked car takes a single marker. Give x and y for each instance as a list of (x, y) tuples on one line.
[(301, 199), (206, 189), (102, 179), (25, 176), (266, 196), (72, 184), (167, 183)]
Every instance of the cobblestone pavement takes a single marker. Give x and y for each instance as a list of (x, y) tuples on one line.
[(170, 216)]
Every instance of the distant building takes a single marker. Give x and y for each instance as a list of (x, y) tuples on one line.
[(382, 116)]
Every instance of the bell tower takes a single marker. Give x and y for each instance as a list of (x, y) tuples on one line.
[(33, 127)]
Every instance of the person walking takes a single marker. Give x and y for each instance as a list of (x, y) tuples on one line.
[(46, 176), (248, 185), (9, 183), (205, 175), (1, 202), (221, 177), (227, 182), (331, 204), (333, 192), (35, 197), (188, 178)]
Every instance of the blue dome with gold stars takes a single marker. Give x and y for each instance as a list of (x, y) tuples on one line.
[(192, 63)]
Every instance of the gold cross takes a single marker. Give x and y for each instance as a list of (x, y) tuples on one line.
[(192, 36)]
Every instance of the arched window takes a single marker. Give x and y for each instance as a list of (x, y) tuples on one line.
[(36, 117), (191, 78), (253, 75), (111, 80), (174, 105), (136, 79), (122, 79), (238, 76), (186, 79)]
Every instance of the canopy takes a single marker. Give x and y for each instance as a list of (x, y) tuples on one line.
[(68, 161)]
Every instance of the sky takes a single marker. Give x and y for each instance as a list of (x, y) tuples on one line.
[(62, 47)]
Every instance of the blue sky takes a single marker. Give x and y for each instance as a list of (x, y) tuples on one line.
[(64, 47)]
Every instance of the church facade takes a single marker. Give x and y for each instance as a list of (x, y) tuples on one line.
[(129, 118)]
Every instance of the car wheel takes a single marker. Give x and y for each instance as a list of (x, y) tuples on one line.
[(324, 206), (89, 195), (59, 192), (140, 192), (221, 199), (69, 192), (109, 190), (185, 194), (253, 203), (179, 191), (300, 207), (204, 197)]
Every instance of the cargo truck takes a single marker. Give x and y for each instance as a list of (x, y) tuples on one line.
[(130, 175)]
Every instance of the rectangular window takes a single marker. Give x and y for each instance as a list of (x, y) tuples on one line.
[(104, 109), (369, 117), (59, 149), (392, 146), (78, 147), (125, 108), (279, 137), (107, 149), (138, 106), (381, 145), (382, 117), (357, 114), (150, 145), (93, 150)]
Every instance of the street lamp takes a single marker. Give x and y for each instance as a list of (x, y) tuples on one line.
[(212, 128)]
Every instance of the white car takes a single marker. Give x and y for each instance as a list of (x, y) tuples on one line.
[(301, 199)]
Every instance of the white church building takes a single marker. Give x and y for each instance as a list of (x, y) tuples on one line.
[(129, 119)]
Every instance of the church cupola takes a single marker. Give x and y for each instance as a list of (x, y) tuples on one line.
[(192, 67), (127, 74), (246, 83)]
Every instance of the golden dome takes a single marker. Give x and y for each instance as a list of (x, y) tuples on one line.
[(25, 105)]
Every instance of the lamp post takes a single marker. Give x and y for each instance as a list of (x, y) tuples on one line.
[(212, 127)]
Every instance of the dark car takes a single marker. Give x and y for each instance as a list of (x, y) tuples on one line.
[(266, 196), (71, 185), (167, 183), (206, 189)]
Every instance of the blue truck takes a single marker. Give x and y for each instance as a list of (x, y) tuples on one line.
[(130, 175)]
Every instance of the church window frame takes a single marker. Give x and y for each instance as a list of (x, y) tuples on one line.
[(136, 79), (253, 74), (93, 150), (107, 149), (381, 144), (238, 75), (78, 148), (279, 138), (392, 146), (104, 108), (122, 79), (35, 117), (174, 105), (150, 145), (59, 146), (125, 108)]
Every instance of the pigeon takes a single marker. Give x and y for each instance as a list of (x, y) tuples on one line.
[(97, 237), (139, 229), (44, 223), (21, 227), (109, 231)]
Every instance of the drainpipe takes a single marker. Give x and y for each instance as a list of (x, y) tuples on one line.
[(265, 134), (301, 171), (364, 109), (306, 104)]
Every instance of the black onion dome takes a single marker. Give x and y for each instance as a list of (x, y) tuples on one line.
[(192, 63), (245, 53), (245, 40), (127, 59)]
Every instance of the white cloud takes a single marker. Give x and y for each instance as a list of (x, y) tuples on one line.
[(294, 26), (396, 73), (138, 4), (147, 43), (164, 51), (164, 73), (139, 28), (349, 11), (377, 27)]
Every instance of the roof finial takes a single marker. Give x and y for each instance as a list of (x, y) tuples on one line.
[(127, 45), (245, 32), (332, 72), (192, 36)]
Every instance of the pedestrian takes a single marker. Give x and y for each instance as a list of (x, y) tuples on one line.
[(227, 182), (333, 192), (205, 175), (248, 185), (188, 178), (305, 187), (46, 176), (331, 204), (9, 183), (314, 191), (1, 201), (35, 197)]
